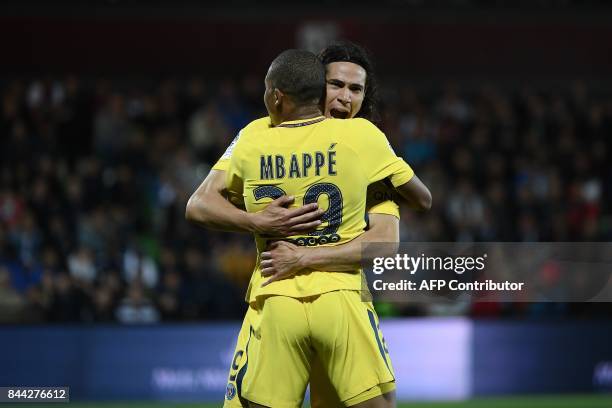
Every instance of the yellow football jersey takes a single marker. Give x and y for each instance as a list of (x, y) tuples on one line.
[(328, 161), (379, 197), (258, 124)]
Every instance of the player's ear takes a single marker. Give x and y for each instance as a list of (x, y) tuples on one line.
[(278, 97)]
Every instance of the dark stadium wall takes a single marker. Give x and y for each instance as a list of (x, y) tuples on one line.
[(223, 46)]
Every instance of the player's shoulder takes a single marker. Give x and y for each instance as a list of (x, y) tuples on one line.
[(352, 122), (362, 133), (258, 124), (362, 122), (365, 126), (246, 134), (356, 126), (255, 128)]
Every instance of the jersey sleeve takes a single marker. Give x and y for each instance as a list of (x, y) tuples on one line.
[(380, 200), (378, 159), (221, 164), (224, 162), (234, 172)]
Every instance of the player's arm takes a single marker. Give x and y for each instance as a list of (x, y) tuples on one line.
[(209, 208), (282, 259), (416, 194), (380, 162), (383, 228)]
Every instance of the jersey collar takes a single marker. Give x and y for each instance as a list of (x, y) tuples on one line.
[(301, 122)]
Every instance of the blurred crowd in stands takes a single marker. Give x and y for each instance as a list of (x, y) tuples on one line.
[(95, 175)]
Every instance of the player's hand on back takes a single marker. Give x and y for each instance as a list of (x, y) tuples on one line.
[(281, 260), (279, 221)]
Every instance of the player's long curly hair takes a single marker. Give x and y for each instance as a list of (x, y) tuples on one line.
[(346, 51)]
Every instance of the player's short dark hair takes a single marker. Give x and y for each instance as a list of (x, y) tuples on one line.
[(346, 51), (299, 74)]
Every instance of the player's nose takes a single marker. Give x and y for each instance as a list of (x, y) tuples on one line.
[(344, 96)]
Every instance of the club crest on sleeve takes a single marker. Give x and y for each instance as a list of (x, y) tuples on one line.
[(230, 391), (228, 152)]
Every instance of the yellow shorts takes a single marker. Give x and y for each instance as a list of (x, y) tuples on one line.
[(332, 340)]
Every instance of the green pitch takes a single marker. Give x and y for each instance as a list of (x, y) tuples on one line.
[(570, 401)]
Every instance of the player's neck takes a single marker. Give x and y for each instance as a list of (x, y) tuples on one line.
[(305, 112)]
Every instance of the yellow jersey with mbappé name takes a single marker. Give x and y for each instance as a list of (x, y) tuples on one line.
[(328, 161), (379, 197)]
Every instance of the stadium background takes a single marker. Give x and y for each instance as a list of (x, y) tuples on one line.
[(113, 112)]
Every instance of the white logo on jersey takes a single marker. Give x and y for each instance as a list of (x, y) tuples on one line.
[(228, 152)]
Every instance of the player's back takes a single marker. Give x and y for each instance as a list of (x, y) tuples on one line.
[(328, 161)]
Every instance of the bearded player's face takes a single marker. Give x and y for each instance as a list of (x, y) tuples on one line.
[(345, 89)]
